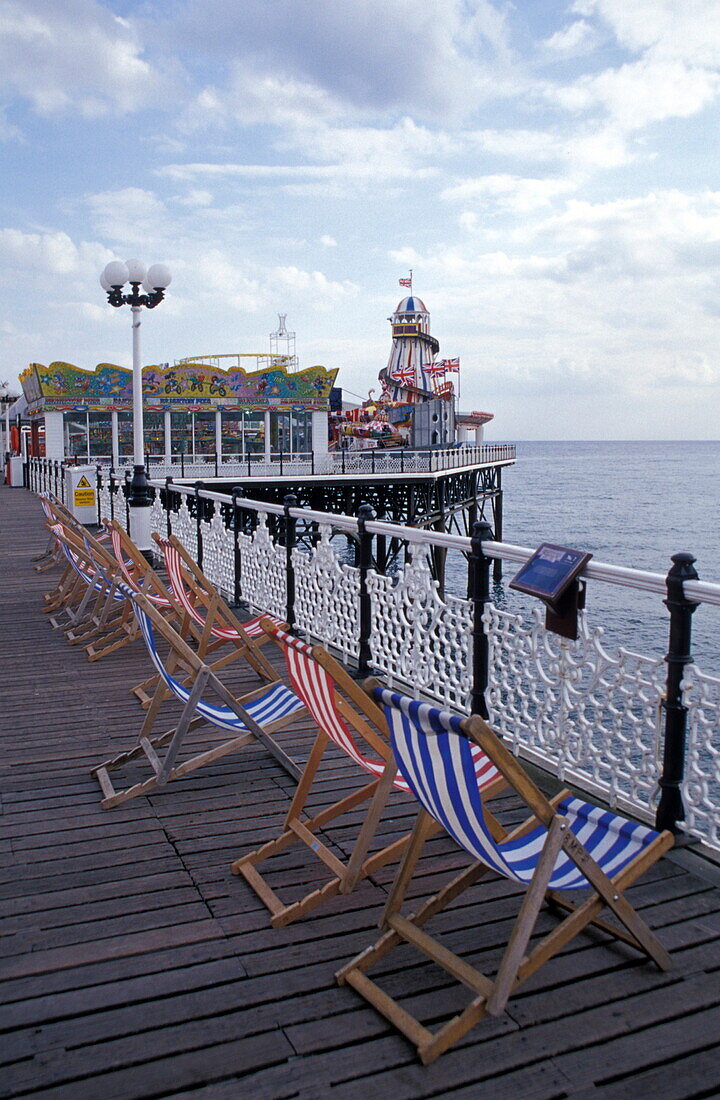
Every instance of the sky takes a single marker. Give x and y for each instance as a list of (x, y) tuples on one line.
[(548, 170)]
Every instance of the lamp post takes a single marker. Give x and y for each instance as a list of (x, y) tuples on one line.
[(154, 281)]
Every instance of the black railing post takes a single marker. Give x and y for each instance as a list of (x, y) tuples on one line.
[(168, 482), (217, 463), (182, 464), (343, 459), (98, 482), (402, 461), (127, 502), (365, 514), (237, 563), (290, 501), (670, 807), (111, 488), (198, 529), (479, 594), (312, 462)]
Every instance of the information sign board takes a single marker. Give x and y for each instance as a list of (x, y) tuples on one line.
[(550, 572)]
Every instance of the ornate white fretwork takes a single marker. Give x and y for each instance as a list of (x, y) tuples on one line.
[(184, 527), (701, 788), (574, 708), (327, 596), (104, 499), (262, 571), (158, 516), (218, 556), (418, 638)]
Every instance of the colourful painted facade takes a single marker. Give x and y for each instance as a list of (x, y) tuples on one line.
[(63, 387)]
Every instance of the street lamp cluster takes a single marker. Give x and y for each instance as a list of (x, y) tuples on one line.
[(154, 282)]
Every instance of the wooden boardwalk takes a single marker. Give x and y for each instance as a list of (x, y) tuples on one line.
[(133, 964)]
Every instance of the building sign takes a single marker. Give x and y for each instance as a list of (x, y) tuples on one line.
[(64, 387)]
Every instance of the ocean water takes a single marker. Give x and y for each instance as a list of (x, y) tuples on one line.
[(628, 503)]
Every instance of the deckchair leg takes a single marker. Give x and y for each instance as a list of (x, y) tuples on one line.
[(527, 917), (369, 828)]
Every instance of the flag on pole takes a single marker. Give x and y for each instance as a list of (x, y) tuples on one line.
[(452, 366), (405, 282), (405, 376), (435, 370)]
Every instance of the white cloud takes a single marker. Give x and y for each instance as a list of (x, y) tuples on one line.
[(328, 241), (513, 193), (577, 38), (73, 56), (49, 253), (129, 216)]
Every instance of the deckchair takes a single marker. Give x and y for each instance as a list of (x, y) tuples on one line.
[(346, 716), (202, 603), (252, 717), (106, 624), (566, 845), (139, 576)]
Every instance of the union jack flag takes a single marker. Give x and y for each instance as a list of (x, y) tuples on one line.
[(405, 282), (451, 365), (404, 375), (435, 370)]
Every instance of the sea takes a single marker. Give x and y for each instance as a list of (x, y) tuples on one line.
[(627, 503)]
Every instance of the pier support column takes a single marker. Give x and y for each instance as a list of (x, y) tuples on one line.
[(498, 523)]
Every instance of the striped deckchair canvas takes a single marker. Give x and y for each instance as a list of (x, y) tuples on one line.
[(347, 717), (255, 716), (568, 844), (197, 598)]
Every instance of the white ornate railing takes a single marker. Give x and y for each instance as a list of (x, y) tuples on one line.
[(371, 461), (589, 713)]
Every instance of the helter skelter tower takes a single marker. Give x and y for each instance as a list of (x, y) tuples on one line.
[(413, 351)]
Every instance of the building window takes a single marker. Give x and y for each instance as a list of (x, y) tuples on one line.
[(100, 435), (75, 427)]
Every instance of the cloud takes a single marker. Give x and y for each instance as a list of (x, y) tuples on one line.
[(50, 253), (328, 241), (356, 53), (73, 57), (512, 193), (129, 216), (577, 38)]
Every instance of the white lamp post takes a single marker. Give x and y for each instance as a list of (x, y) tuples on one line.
[(154, 282)]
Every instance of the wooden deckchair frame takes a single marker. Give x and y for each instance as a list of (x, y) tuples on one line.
[(367, 720), (517, 964), (214, 613), (104, 624), (203, 677)]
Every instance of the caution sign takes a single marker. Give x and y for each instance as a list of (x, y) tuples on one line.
[(84, 494)]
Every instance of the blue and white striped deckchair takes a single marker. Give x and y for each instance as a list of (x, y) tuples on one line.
[(252, 717), (567, 845)]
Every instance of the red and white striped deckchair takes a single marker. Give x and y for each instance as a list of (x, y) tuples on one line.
[(347, 717), (198, 598), (566, 845)]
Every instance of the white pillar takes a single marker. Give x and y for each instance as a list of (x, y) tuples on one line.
[(138, 442), (167, 424), (54, 435), (218, 433), (320, 433), (479, 434), (267, 436), (115, 439)]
